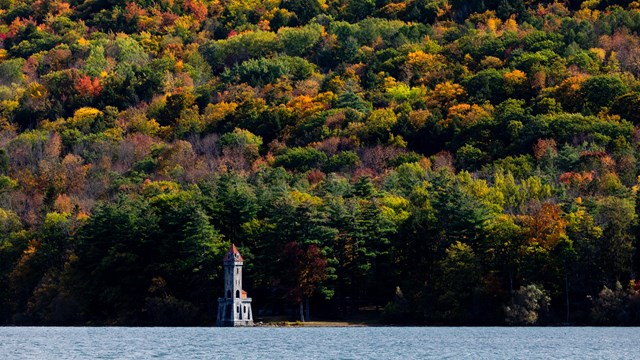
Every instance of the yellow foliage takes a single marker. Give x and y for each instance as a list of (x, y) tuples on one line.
[(6, 125), (418, 118), (183, 23), (114, 134), (153, 188), (36, 91), (7, 106), (264, 25), (397, 141), (146, 126), (467, 115), (425, 66), (510, 25), (493, 24), (31, 249), (515, 77), (56, 125), (304, 105), (83, 42), (179, 66), (587, 14), (446, 93), (86, 113), (491, 62), (421, 60), (325, 98), (83, 118), (425, 163), (589, 4), (301, 197), (382, 119), (390, 82), (395, 208), (337, 85), (599, 52), (216, 112)]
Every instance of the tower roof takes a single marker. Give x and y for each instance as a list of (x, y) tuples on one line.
[(233, 255)]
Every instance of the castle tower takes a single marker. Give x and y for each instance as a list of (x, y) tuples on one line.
[(234, 308)]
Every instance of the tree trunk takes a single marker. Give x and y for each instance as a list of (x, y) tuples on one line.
[(301, 311), (566, 290), (510, 281), (308, 318)]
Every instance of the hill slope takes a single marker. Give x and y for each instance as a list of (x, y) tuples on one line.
[(458, 162)]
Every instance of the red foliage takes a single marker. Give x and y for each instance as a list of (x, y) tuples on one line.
[(443, 159), (576, 178), (16, 25), (595, 154), (308, 267), (197, 9), (366, 172), (315, 176), (133, 11), (543, 147), (86, 86)]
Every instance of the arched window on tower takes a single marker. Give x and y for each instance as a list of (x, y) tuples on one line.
[(238, 294)]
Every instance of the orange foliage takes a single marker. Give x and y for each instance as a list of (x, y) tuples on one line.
[(63, 204), (543, 147), (446, 94), (424, 66), (87, 86), (466, 115), (304, 105), (197, 9), (133, 11), (577, 178), (545, 225)]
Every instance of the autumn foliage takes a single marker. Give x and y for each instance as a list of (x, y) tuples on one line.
[(451, 162)]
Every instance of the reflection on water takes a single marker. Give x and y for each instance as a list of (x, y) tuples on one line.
[(313, 343)]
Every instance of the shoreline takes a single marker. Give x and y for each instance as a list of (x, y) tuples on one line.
[(314, 324)]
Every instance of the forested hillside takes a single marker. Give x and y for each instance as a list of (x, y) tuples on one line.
[(444, 161)]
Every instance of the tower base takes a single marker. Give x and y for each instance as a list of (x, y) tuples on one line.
[(234, 312)]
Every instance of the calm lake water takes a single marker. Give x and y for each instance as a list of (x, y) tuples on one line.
[(319, 343)]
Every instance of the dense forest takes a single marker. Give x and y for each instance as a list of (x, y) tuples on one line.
[(430, 161)]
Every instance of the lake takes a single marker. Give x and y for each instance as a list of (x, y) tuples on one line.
[(324, 343)]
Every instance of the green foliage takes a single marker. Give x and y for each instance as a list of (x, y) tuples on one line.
[(601, 90), (265, 71), (11, 71), (128, 247), (301, 159), (486, 85), (343, 161), (359, 9), (300, 41), (458, 150), (239, 48), (303, 10)]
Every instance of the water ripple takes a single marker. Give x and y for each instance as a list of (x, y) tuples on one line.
[(106, 343)]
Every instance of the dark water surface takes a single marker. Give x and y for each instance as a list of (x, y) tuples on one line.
[(319, 343)]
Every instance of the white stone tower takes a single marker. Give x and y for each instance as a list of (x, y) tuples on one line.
[(234, 308)]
